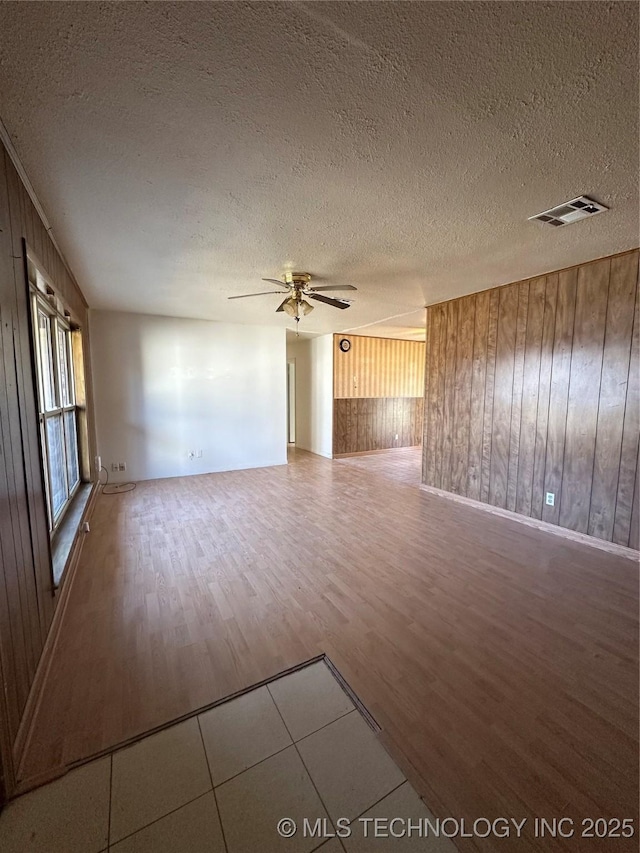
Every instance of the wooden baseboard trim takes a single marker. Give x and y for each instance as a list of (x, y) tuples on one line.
[(538, 524), (372, 452), (44, 664)]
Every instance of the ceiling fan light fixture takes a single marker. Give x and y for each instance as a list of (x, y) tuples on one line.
[(289, 307), (296, 286)]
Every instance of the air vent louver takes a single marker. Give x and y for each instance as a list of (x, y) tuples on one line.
[(571, 211)]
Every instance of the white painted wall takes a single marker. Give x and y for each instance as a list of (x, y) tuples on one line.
[(164, 386), (314, 393)]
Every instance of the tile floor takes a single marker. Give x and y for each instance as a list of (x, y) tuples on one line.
[(296, 748)]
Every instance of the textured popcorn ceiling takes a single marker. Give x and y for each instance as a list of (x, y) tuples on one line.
[(184, 150)]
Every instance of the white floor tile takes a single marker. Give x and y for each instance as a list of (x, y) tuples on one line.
[(241, 733), (402, 803), (252, 804), (309, 699), (349, 767), (68, 815), (156, 776), (194, 828)]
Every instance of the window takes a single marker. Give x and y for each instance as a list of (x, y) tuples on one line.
[(56, 398)]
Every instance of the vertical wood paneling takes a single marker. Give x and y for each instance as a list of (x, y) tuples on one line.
[(516, 394), (432, 340), (489, 394), (21, 613), (462, 395), (478, 378), (634, 532), (530, 392), (437, 402), (613, 395), (559, 393), (11, 650), (584, 390), (38, 521), (452, 311), (503, 395), (378, 367), (372, 423), (26, 595), (622, 528), (542, 415), (385, 376), (540, 380)]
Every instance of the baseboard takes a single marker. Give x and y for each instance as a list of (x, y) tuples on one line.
[(538, 524), (371, 452), (312, 452), (32, 705)]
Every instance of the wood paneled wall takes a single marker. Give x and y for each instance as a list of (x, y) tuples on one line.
[(378, 367), (378, 391), (373, 423), (26, 593), (534, 388)]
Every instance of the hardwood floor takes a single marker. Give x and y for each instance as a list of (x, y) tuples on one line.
[(501, 661)]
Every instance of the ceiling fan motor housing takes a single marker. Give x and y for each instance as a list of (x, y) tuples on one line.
[(297, 278)]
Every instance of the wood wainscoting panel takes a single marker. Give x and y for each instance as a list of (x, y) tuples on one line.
[(372, 423), (378, 389), (533, 388)]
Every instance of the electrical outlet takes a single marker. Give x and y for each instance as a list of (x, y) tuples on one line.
[(114, 466), (191, 454), (122, 466), (396, 436), (550, 499)]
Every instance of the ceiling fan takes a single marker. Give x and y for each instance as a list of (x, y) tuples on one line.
[(298, 287)]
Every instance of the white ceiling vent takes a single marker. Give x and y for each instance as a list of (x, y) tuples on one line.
[(570, 211)]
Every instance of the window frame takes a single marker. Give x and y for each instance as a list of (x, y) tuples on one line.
[(43, 302)]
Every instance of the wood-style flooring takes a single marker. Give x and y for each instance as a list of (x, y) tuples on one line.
[(501, 661)]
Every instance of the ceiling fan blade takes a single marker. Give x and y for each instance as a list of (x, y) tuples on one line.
[(282, 304), (333, 287), (275, 281), (262, 293), (337, 303)]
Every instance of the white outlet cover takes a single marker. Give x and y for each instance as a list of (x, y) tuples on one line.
[(550, 499)]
